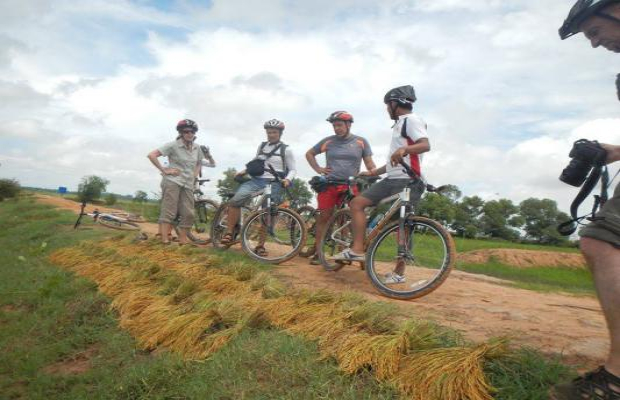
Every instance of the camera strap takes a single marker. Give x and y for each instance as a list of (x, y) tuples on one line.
[(599, 173)]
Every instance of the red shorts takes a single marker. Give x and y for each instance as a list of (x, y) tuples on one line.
[(333, 195)]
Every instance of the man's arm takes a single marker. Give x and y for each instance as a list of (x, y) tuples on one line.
[(419, 147), (311, 158), (369, 163), (613, 152)]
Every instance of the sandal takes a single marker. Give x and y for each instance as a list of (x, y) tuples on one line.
[(595, 385), (227, 238), (260, 251)]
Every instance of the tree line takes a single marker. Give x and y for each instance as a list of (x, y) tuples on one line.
[(532, 220)]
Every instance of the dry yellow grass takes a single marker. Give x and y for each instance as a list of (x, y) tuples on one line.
[(190, 304)]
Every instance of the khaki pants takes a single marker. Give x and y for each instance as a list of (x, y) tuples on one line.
[(176, 200)]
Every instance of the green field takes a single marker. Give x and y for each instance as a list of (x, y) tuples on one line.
[(53, 320)]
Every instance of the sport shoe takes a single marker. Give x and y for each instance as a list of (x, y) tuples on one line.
[(595, 385), (347, 255), (314, 260), (392, 278)]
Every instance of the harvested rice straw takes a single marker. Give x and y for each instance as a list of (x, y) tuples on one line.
[(213, 305), (448, 374)]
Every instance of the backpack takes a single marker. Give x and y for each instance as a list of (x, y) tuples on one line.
[(256, 167)]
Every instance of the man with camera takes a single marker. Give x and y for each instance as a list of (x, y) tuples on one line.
[(599, 20)]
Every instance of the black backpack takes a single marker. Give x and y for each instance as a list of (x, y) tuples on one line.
[(256, 167)]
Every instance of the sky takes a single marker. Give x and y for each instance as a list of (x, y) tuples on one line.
[(91, 87)]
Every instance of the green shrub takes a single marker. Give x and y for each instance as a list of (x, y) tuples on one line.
[(110, 199), (9, 188)]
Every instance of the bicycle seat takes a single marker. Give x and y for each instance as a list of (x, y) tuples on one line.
[(201, 181)]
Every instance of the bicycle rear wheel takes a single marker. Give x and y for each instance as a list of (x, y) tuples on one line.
[(308, 215), (273, 238), (425, 264), (204, 212), (114, 223), (338, 236)]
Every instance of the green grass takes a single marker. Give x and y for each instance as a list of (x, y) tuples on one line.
[(543, 279), (48, 315), (465, 244)]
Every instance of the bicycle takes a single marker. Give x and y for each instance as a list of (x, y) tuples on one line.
[(106, 219), (420, 248), (267, 232), (361, 182), (203, 209)]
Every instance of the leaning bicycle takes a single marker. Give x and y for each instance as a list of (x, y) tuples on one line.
[(417, 250)]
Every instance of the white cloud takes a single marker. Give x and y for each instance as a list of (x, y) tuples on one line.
[(503, 96)]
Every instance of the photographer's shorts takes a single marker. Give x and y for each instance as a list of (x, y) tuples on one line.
[(606, 226), (388, 187)]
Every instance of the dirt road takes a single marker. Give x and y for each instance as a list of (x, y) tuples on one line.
[(478, 306)]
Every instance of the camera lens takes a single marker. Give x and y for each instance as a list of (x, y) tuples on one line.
[(576, 172)]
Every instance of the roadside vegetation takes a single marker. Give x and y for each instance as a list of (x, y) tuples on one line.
[(63, 340)]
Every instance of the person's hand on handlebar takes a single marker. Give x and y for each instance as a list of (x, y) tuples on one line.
[(286, 182), (397, 157)]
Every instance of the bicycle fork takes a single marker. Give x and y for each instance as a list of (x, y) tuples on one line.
[(404, 235)]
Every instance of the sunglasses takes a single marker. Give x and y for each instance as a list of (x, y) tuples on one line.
[(188, 131)]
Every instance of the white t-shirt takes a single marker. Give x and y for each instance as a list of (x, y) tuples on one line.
[(276, 161), (416, 130)]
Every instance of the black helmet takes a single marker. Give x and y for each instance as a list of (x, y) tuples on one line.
[(187, 123), (403, 95), (582, 10)]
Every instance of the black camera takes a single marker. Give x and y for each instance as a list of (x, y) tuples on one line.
[(585, 155)]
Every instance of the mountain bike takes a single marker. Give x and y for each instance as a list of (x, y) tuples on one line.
[(267, 232), (361, 182), (419, 248), (106, 219)]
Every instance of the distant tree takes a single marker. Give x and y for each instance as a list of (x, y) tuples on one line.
[(540, 219), (91, 188), (452, 192), (228, 184), (467, 217), (9, 188), (110, 199), (437, 207), (498, 219), (299, 194), (140, 196)]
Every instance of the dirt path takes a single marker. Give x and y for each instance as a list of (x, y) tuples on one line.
[(480, 307)]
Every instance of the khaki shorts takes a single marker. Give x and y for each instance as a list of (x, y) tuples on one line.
[(176, 200), (606, 226)]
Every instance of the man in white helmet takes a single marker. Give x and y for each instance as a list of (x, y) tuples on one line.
[(599, 20)]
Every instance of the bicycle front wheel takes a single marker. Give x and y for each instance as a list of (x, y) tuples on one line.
[(273, 238), (114, 223), (423, 263), (204, 211)]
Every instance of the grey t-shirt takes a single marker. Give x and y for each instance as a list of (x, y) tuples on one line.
[(183, 159), (344, 156)]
